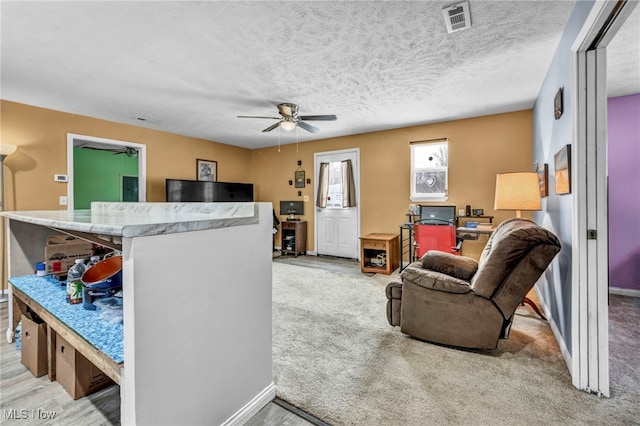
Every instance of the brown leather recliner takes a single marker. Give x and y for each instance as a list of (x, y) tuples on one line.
[(457, 301)]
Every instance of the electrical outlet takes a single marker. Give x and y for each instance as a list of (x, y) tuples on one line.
[(63, 200)]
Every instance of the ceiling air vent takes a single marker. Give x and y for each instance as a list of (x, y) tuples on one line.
[(457, 17)]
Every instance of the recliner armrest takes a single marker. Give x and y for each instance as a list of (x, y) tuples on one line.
[(433, 280)]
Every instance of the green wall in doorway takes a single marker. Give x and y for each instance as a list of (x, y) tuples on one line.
[(96, 175)]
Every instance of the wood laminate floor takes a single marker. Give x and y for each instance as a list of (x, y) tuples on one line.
[(27, 400)]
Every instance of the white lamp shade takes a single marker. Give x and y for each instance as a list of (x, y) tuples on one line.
[(7, 149), (517, 191), (288, 125)]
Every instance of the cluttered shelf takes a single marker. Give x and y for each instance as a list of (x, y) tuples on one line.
[(92, 326)]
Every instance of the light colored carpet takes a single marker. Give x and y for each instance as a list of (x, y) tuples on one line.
[(337, 358)]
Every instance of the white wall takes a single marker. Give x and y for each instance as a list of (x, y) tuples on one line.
[(199, 346), (549, 136)]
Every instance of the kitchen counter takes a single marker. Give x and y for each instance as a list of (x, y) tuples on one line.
[(142, 219), (188, 295)]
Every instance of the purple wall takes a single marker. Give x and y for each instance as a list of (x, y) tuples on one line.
[(623, 156)]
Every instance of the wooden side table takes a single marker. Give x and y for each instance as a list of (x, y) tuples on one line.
[(379, 253), (294, 237)]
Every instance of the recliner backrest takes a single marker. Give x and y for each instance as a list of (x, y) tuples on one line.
[(515, 256)]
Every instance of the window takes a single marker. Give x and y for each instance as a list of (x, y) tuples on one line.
[(336, 185), (334, 196), (429, 170)]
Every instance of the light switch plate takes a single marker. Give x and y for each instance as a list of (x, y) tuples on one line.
[(63, 200)]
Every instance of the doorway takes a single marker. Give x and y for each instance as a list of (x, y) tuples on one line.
[(589, 310), (129, 188), (116, 170), (337, 227)]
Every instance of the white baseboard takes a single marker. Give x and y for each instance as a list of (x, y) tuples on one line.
[(252, 407), (556, 332), (624, 291)]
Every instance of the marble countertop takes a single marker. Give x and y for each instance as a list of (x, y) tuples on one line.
[(141, 219)]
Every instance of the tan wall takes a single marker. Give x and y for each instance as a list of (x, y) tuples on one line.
[(41, 136), (479, 148)]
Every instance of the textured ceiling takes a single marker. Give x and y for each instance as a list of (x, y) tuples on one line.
[(192, 67)]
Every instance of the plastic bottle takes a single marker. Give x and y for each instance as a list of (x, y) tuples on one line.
[(92, 261), (74, 282)]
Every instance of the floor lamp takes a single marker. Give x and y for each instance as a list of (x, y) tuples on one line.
[(5, 150), (518, 191)]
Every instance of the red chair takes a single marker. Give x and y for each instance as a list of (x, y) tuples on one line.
[(430, 236)]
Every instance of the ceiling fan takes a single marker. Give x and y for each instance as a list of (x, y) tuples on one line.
[(127, 150), (289, 119)]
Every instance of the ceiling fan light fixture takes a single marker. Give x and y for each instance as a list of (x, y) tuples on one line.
[(288, 125)]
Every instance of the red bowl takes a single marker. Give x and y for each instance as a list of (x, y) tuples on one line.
[(104, 274)]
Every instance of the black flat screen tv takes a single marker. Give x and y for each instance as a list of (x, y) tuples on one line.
[(291, 208), (438, 215), (178, 190)]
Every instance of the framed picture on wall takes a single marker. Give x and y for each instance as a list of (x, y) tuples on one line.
[(543, 179), (207, 170), (563, 170), (299, 178)]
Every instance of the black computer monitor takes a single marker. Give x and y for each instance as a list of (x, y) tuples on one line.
[(291, 208), (438, 215)]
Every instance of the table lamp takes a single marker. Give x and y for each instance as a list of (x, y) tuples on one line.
[(517, 191), (5, 150)]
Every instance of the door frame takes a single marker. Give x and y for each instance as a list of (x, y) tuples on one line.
[(356, 172), (590, 263), (74, 140)]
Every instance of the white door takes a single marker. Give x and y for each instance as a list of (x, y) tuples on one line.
[(337, 227)]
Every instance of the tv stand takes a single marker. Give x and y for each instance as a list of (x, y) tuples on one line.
[(294, 237)]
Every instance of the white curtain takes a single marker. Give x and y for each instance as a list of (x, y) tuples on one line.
[(323, 185), (348, 185)]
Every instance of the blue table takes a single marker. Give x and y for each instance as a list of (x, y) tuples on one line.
[(98, 340)]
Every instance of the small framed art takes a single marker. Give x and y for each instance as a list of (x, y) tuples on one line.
[(299, 178), (558, 105), (207, 170), (543, 179), (563, 170)]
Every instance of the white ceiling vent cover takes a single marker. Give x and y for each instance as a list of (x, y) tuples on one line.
[(457, 17)]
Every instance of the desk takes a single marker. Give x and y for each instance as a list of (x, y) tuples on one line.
[(406, 245), (465, 233)]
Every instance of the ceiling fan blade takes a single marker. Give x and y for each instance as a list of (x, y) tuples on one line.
[(307, 127), (270, 128), (329, 117), (255, 116)]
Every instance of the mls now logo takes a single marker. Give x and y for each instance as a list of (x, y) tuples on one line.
[(14, 414)]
